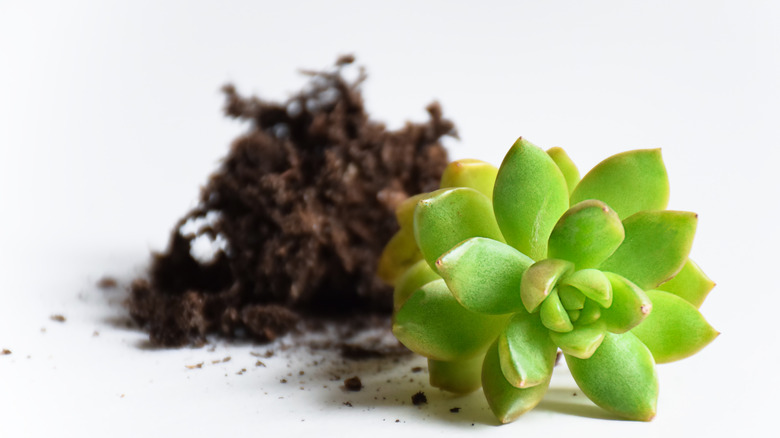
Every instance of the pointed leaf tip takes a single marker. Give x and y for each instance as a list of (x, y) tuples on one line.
[(586, 234), (628, 182), (630, 305), (567, 167), (450, 216), (529, 197), (506, 401), (655, 248), (690, 284), (485, 275), (620, 377), (475, 174), (674, 329)]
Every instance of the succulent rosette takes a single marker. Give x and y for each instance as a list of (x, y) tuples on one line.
[(500, 268)]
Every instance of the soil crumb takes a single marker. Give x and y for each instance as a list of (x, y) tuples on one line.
[(296, 217), (107, 283), (5, 352), (419, 399), (353, 384), (58, 318)]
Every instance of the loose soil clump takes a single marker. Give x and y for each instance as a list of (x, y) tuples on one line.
[(419, 398), (300, 209)]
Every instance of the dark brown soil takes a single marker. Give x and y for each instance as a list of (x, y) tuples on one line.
[(419, 398), (107, 283), (302, 205), (353, 384)]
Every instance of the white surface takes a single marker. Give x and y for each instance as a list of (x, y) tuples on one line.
[(110, 120)]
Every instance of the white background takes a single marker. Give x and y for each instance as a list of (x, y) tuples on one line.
[(110, 120)]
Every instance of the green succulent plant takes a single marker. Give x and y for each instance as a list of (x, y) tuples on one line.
[(500, 268)]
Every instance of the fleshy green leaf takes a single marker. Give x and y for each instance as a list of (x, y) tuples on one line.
[(404, 213), (526, 353), (656, 247), (450, 216), (586, 234), (571, 298), (539, 281), (484, 275), (628, 182), (398, 256), (433, 324), (460, 377), (593, 283), (529, 196), (414, 278), (476, 174), (674, 329), (567, 167), (590, 312), (506, 401), (620, 377), (553, 315), (690, 284), (630, 305), (581, 342)]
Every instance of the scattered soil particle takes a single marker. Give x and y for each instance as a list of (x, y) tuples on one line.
[(419, 399), (417, 369), (353, 384), (192, 367), (299, 209), (346, 403), (226, 359), (107, 283), (455, 410), (259, 364), (58, 318), (5, 352), (283, 381)]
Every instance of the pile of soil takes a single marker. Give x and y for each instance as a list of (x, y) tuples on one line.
[(302, 204)]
